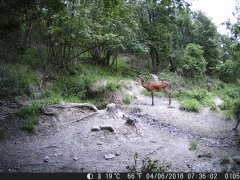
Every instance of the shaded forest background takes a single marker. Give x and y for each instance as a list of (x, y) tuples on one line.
[(74, 43)]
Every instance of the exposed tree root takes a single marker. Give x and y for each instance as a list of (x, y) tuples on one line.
[(85, 117), (74, 105)]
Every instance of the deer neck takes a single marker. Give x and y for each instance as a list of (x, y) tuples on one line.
[(143, 83)]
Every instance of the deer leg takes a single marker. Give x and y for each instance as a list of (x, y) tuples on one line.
[(152, 98), (169, 96), (235, 128)]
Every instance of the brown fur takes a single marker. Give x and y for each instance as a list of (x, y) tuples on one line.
[(156, 86)]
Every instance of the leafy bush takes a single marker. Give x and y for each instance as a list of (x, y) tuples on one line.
[(193, 62), (193, 145), (153, 166), (15, 80), (31, 110), (227, 71), (148, 165), (30, 123), (127, 99), (113, 85), (190, 105), (224, 160), (73, 86), (31, 57)]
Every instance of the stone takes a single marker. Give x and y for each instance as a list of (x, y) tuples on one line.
[(46, 159), (236, 159), (109, 156), (95, 129), (105, 127), (111, 107)]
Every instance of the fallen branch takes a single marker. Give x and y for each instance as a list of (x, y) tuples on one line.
[(84, 117), (74, 105)]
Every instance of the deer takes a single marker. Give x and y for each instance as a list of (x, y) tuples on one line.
[(157, 86)]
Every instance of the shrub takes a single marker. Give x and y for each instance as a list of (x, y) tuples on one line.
[(31, 57), (127, 99), (30, 123), (224, 160), (190, 105), (73, 86), (15, 80), (227, 71), (193, 62), (31, 110), (193, 145), (148, 165)]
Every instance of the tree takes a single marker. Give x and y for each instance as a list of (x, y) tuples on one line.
[(193, 62), (206, 35)]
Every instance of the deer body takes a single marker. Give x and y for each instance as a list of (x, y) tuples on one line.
[(157, 86)]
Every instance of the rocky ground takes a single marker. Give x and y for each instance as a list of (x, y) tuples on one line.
[(73, 138)]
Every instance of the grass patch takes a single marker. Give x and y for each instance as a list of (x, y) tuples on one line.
[(127, 99), (16, 80), (31, 110), (30, 123), (148, 165), (190, 105), (224, 160), (30, 113), (193, 145)]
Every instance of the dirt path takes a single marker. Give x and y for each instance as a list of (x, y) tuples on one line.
[(103, 142)]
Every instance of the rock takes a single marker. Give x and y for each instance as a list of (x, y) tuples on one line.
[(95, 129), (46, 159), (111, 107), (117, 154), (105, 127), (207, 155), (75, 158), (130, 120), (99, 143), (109, 156), (236, 159)]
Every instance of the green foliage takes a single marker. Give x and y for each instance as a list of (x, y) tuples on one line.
[(15, 80), (153, 166), (113, 85), (225, 160), (205, 34), (74, 86), (31, 110), (227, 71), (127, 99), (192, 100), (51, 97), (134, 168), (30, 123), (190, 105), (230, 94), (148, 165), (31, 57), (193, 63), (193, 145), (236, 108)]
